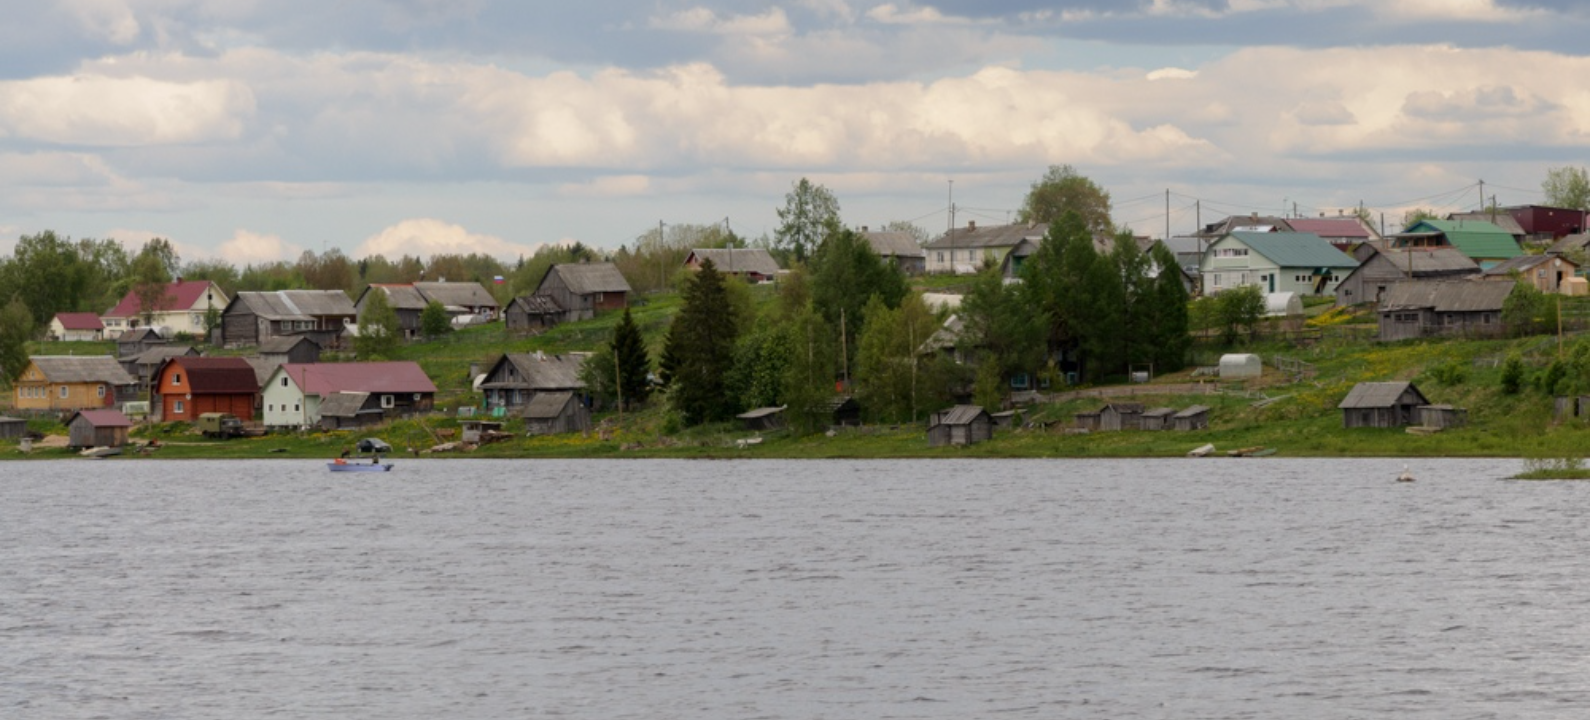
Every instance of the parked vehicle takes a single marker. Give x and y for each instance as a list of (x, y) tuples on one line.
[(220, 425)]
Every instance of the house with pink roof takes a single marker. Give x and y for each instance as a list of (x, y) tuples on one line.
[(76, 327), (295, 393), (181, 311), (1344, 231)]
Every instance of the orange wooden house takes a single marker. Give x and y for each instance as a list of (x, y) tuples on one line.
[(184, 387)]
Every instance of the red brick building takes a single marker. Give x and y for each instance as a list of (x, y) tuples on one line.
[(185, 387)]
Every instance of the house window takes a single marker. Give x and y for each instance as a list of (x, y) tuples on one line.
[(63, 391), (1405, 317), (177, 408), (1217, 280), (176, 378), (1231, 252), (387, 402), (940, 256), (270, 408), (1485, 319), (296, 408), (284, 382), (102, 391), (1019, 381)]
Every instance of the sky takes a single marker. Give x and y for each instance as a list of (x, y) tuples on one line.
[(253, 130)]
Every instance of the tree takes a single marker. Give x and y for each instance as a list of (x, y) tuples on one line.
[(1528, 311), (1238, 310), (634, 365), (16, 329), (1567, 187), (845, 273), (1417, 215), (810, 212), (151, 277), (1062, 189), (379, 330), (1513, 374), (699, 352), (890, 380), (812, 359), (46, 273), (1000, 327), (1166, 322), (434, 320)]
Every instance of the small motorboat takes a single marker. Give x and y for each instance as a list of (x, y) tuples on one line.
[(1202, 450), (342, 466), (1405, 476)]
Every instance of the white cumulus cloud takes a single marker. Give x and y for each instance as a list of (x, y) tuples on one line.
[(424, 237), (251, 248), (97, 110)]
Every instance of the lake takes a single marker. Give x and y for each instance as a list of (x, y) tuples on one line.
[(1212, 588)]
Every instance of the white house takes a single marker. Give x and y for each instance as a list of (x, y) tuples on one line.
[(182, 310), (293, 394)]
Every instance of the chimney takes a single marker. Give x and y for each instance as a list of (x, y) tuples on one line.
[(971, 224), (863, 228)]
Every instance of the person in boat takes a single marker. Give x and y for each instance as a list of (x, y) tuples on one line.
[(376, 460), (340, 461)]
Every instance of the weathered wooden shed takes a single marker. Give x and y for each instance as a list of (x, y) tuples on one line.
[(1382, 405), (530, 313), (1088, 421), (97, 428), (585, 289), (1158, 418), (1443, 416), (12, 428), (844, 411), (960, 425), (1006, 419), (282, 349), (340, 410), (1121, 416), (1195, 417), (764, 418), (554, 413)]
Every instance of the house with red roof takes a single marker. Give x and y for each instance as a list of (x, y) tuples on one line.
[(185, 387), (296, 392), (182, 310), (74, 327), (1344, 232), (97, 428)]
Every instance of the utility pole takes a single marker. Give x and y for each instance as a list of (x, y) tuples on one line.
[(1167, 214), (1482, 194), (950, 231), (618, 382)]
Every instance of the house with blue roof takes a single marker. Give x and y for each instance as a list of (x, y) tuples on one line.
[(1487, 244), (1275, 262)]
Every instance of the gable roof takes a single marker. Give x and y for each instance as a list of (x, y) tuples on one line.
[(992, 236), (102, 418), (376, 377), (1505, 221), (179, 296), (79, 321), (1425, 260), (960, 415), (296, 304), (1337, 227), (547, 405), (82, 368), (1294, 250), (343, 404), (401, 296), (736, 260), (1523, 263), (1569, 243), (457, 294), (277, 344), (535, 304), (893, 243), (1476, 238), (138, 335), (1191, 411), (540, 371), (588, 278), (218, 375), (158, 354), (1379, 395), (1447, 296)]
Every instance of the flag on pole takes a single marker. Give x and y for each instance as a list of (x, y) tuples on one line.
[(497, 279)]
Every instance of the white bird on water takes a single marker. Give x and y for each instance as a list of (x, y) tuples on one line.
[(1405, 476)]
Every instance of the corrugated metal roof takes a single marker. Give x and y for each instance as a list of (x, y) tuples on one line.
[(587, 278), (1524, 263), (180, 296), (376, 377), (1295, 250), (401, 296), (1447, 296), (991, 236), (1477, 239), (298, 304), (1191, 411), (343, 404), (1340, 227), (82, 368), (1429, 260), (736, 260), (284, 343), (79, 321), (546, 405), (102, 418), (159, 354), (1379, 395)]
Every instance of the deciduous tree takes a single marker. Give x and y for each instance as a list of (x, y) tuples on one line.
[(434, 320), (1063, 189), (379, 330), (810, 212), (16, 329), (1567, 187)]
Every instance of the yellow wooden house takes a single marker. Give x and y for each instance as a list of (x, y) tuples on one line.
[(72, 382)]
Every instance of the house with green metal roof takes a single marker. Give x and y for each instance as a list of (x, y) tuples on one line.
[(1275, 262), (1484, 242)]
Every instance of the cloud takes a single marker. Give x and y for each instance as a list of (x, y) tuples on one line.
[(97, 110), (1171, 73), (892, 14), (704, 20), (110, 20), (425, 237), (610, 186), (250, 248)]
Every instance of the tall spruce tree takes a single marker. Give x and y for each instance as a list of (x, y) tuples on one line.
[(700, 350), (845, 274), (16, 329), (1168, 322), (629, 351)]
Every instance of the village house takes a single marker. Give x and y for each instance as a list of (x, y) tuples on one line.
[(181, 310), (962, 251), (1546, 273), (186, 387), (294, 392), (1345, 232), (1378, 269), (1483, 242), (585, 289), (1275, 262), (899, 248), (1454, 307), (1536, 223), (76, 327), (346, 410), (556, 413), (515, 379), (72, 382), (960, 425), (1382, 405), (531, 313), (320, 315), (466, 303), (142, 367), (753, 265), (139, 341), (97, 428)]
